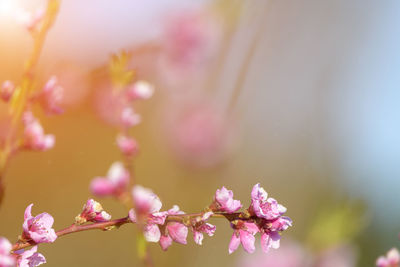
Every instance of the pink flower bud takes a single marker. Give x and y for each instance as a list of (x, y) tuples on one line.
[(127, 145), (145, 200), (6, 259), (129, 118), (113, 184), (92, 212), (140, 90), (224, 201), (7, 90), (38, 228)]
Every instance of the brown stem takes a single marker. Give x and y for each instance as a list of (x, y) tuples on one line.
[(77, 228), (119, 222)]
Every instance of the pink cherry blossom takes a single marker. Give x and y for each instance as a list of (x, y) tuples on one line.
[(113, 184), (34, 137), (129, 118), (244, 233), (30, 258), (205, 228), (200, 227), (173, 231), (392, 259), (151, 230), (270, 240), (224, 201), (127, 145), (6, 91), (140, 90), (92, 212), (6, 259), (52, 96), (263, 206), (38, 228), (145, 200)]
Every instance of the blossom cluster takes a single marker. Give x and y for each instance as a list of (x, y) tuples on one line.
[(264, 216)]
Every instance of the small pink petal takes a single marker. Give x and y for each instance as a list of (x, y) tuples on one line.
[(165, 242), (234, 244)]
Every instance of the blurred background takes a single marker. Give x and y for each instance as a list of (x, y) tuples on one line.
[(301, 96)]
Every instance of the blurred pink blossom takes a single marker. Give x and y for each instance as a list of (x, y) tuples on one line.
[(34, 137), (113, 184), (6, 259), (145, 200), (199, 133), (127, 145), (6, 91), (51, 96), (291, 254), (129, 118), (392, 259), (140, 90)]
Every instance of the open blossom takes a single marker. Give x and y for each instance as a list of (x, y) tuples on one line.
[(113, 184), (244, 233), (129, 118), (201, 227), (127, 145), (34, 137), (148, 206), (6, 259), (173, 231), (264, 207), (38, 228), (52, 96), (392, 259), (6, 91), (264, 216), (92, 212), (30, 258), (140, 90), (225, 202)]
